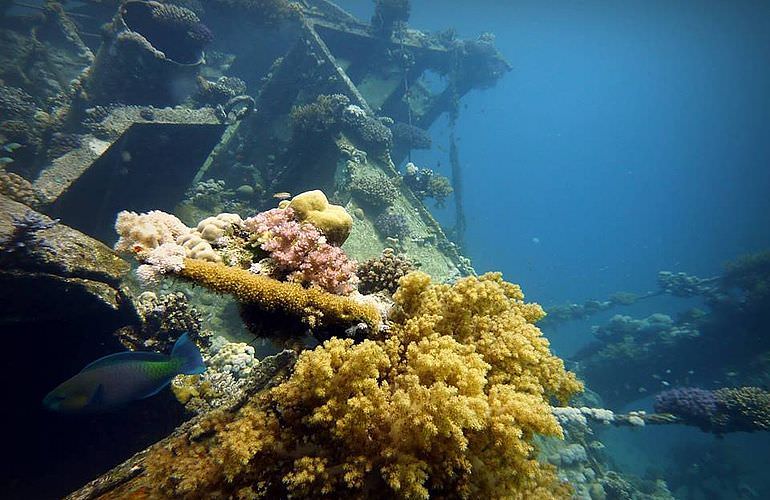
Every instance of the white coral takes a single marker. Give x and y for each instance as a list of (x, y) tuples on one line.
[(198, 248), (236, 358), (167, 258), (213, 228), (140, 233)]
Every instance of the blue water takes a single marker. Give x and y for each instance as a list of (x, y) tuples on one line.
[(630, 137)]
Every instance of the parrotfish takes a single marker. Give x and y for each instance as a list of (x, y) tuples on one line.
[(117, 379)]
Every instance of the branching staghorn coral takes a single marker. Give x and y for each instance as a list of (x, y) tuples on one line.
[(445, 403)]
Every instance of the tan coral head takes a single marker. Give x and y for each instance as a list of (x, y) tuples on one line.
[(333, 220)]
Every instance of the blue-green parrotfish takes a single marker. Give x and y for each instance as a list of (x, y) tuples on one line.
[(119, 378)]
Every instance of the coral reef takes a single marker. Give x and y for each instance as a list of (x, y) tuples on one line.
[(62, 143), (230, 366), (220, 91), (740, 409), (425, 183), (314, 306), (693, 405), (213, 228), (751, 274), (140, 233), (369, 130), (410, 137), (24, 234), (21, 122), (392, 224), (684, 285), (330, 114), (207, 195), (156, 237), (744, 409), (373, 188), (384, 272), (164, 319), (655, 324), (16, 104), (18, 188), (263, 12), (319, 116), (445, 403), (300, 252), (174, 29), (333, 220)]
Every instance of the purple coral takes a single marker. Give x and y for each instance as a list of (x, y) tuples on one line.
[(693, 405), (392, 224), (302, 252)]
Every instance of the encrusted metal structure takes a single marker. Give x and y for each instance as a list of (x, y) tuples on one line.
[(140, 155)]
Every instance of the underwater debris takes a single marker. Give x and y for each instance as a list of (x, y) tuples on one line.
[(389, 15), (152, 55), (235, 109)]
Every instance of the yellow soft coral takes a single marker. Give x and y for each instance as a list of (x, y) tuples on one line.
[(313, 305), (447, 402)]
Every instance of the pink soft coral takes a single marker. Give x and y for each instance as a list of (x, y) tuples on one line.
[(300, 250)]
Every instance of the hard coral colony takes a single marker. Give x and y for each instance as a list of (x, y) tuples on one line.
[(442, 400)]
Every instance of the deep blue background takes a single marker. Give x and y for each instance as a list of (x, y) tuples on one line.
[(630, 137)]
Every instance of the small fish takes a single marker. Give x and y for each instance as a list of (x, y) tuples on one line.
[(5, 160), (119, 378), (283, 195), (11, 147)]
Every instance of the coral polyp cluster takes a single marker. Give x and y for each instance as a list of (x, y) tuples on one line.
[(446, 402), (314, 306)]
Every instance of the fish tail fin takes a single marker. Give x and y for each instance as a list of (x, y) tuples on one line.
[(187, 352)]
